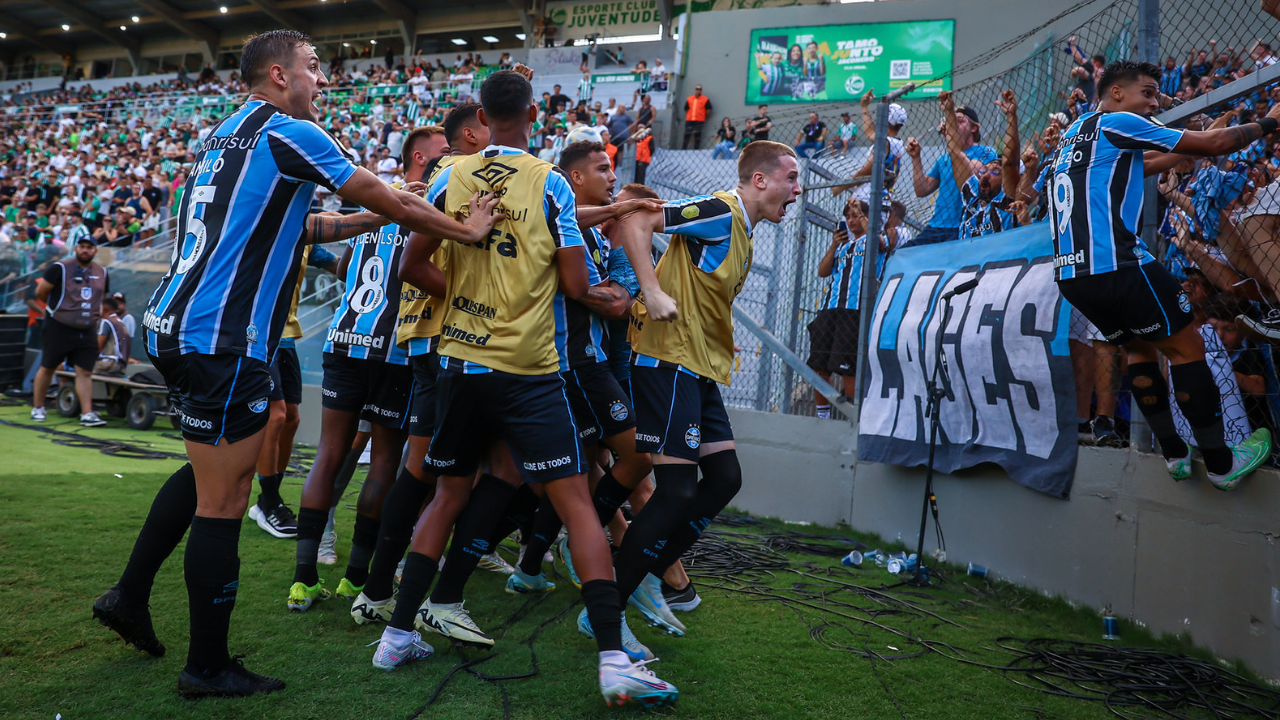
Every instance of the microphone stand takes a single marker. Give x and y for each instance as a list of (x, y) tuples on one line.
[(936, 391)]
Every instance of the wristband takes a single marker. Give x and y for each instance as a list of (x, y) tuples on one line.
[(1269, 125)]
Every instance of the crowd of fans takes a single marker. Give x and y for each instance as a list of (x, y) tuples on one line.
[(1218, 230), (112, 163)]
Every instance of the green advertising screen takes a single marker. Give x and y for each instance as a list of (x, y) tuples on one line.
[(843, 62)]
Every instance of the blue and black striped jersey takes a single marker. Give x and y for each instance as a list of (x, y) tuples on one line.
[(240, 223), (1095, 203), (580, 333), (845, 288), (365, 323), (979, 217)]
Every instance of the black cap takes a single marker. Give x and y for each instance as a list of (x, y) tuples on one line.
[(973, 117), (86, 240)]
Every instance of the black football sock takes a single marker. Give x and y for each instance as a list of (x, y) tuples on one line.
[(676, 486), (419, 571), (604, 612), (471, 537), (609, 496), (399, 515), (166, 523), (721, 481), (546, 526), (520, 512), (212, 569), (1200, 400), (269, 491), (363, 541), (311, 524), (1151, 395)]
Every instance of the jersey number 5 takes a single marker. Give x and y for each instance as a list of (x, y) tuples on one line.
[(187, 253)]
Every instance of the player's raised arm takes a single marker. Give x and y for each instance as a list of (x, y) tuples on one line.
[(635, 233), (365, 189)]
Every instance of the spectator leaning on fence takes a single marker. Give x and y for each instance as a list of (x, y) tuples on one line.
[(894, 152), (988, 190), (945, 223), (833, 334)]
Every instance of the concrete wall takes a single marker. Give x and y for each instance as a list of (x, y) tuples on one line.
[(1178, 557)]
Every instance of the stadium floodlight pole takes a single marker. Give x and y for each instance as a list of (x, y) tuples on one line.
[(875, 221)]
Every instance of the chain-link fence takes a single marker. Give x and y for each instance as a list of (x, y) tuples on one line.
[(1230, 264)]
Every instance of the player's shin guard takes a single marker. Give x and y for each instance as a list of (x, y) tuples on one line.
[(1151, 393), (212, 568), (399, 514), (546, 526), (363, 541), (604, 612), (166, 523), (676, 488), (310, 527), (721, 481), (471, 537), (1201, 403)]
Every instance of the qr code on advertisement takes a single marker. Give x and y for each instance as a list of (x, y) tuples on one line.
[(899, 69)]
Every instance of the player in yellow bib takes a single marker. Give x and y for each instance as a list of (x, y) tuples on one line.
[(499, 378), (682, 342)]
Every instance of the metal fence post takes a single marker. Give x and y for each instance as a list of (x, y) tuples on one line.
[(1140, 436), (867, 291), (793, 327)]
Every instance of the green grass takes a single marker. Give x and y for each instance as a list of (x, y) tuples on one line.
[(71, 515)]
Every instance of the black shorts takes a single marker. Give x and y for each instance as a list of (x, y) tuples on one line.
[(1144, 302), (63, 343), (530, 413), (673, 405), (422, 414), (286, 377), (833, 341), (600, 406), (217, 397), (382, 389)]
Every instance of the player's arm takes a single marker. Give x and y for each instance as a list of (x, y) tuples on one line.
[(345, 262), (571, 263), (592, 216), (828, 261), (323, 260), (333, 227), (416, 267), (635, 233), (1009, 175), (1154, 163), (1222, 141), (961, 169), (609, 300), (102, 335), (366, 190), (561, 212)]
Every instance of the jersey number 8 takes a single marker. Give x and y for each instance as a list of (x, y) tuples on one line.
[(369, 294)]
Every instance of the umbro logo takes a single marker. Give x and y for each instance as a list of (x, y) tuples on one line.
[(494, 173)]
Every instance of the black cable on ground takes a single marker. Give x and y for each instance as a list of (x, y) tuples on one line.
[(107, 447)]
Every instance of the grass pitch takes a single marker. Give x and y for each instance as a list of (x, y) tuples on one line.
[(71, 514)]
